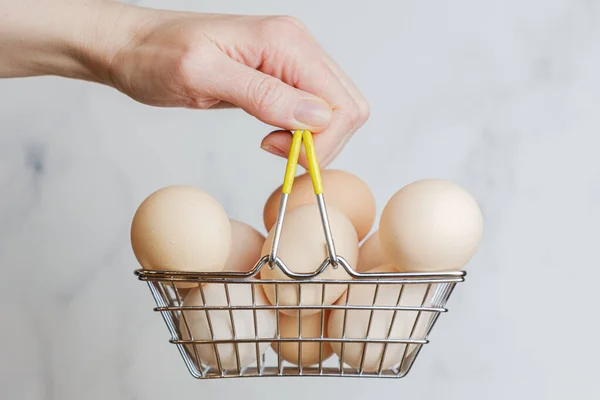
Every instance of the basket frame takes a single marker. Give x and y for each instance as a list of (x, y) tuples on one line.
[(169, 303)]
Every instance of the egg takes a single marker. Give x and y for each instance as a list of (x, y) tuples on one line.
[(310, 327), (370, 254), (193, 324), (181, 228), (181, 293), (303, 249), (343, 190), (246, 245), (357, 322), (430, 225)]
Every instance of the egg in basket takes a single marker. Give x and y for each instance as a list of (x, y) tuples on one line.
[(307, 300)]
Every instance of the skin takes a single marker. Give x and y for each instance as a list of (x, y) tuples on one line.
[(269, 66)]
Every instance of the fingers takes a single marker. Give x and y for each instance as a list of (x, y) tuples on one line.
[(278, 143), (300, 61), (317, 78), (356, 94), (346, 119), (327, 146), (265, 97), (364, 111)]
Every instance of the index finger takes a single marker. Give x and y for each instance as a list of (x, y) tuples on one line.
[(304, 66)]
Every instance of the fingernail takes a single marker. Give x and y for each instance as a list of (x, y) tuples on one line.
[(312, 113), (273, 150)]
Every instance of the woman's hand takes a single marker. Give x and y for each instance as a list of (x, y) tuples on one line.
[(271, 67)]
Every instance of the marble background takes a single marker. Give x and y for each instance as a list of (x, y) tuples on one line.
[(501, 97)]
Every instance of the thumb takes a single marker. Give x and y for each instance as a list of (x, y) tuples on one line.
[(268, 98)]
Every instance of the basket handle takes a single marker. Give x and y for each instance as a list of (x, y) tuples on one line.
[(300, 136)]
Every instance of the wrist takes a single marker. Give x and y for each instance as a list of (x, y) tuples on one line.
[(112, 26)]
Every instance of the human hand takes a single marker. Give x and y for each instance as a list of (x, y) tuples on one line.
[(271, 67)]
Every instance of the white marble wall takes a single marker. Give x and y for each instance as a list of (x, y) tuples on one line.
[(502, 97)]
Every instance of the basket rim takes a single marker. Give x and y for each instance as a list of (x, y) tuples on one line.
[(294, 278)]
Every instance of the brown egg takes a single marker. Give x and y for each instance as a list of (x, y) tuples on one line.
[(182, 292), (370, 254), (246, 245), (343, 190), (430, 225), (195, 324), (357, 323), (303, 249), (181, 228), (310, 328)]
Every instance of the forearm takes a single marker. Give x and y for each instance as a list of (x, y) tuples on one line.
[(69, 38)]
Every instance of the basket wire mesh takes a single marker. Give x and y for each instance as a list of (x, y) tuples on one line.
[(234, 332)]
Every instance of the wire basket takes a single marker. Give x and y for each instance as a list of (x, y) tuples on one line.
[(224, 327)]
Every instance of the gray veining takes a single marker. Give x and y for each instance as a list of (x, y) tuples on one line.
[(501, 97)]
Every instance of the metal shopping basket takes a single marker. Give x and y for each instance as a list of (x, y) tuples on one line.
[(245, 349)]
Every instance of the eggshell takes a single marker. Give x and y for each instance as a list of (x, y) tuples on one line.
[(182, 293), (430, 225), (197, 327), (181, 228), (342, 190), (357, 322), (310, 328), (246, 245), (370, 254), (303, 249)]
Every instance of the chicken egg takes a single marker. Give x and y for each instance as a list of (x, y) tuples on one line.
[(181, 228), (357, 323), (309, 328), (194, 325), (303, 249), (370, 254), (344, 191), (246, 245), (430, 225)]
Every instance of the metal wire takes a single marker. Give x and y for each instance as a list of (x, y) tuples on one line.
[(210, 331), (164, 287)]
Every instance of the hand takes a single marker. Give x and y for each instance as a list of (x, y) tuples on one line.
[(271, 67)]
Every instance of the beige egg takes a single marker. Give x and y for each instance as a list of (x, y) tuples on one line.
[(182, 292), (370, 254), (310, 327), (303, 249), (246, 245), (343, 190), (181, 228), (195, 325), (430, 225), (357, 323)]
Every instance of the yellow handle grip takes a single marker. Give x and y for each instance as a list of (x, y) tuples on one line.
[(292, 163), (313, 165)]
